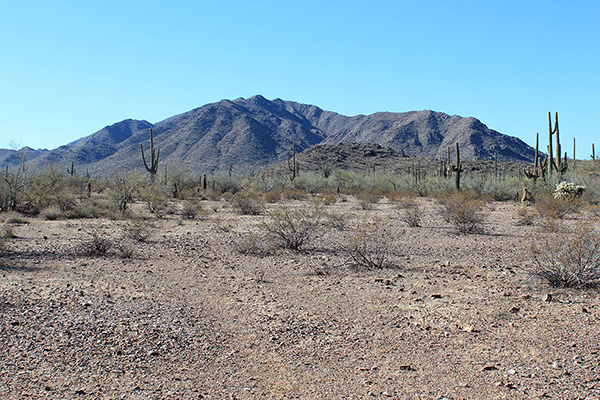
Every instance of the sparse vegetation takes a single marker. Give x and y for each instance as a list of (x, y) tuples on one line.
[(248, 202), (98, 241), (137, 229), (409, 212), (568, 259), (465, 212), (374, 245), (293, 227)]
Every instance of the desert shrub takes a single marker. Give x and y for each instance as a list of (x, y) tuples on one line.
[(98, 241), (525, 217), (138, 230), (373, 246), (502, 190), (272, 196), (14, 185), (309, 182), (13, 217), (464, 210), (549, 206), (154, 196), (409, 212), (294, 194), (192, 210), (3, 247), (52, 213), (228, 184), (123, 190), (7, 232), (84, 210), (336, 220), (126, 251), (367, 199), (568, 259), (253, 243), (248, 202), (293, 228)]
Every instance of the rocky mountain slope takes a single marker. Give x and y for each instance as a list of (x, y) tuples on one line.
[(256, 132)]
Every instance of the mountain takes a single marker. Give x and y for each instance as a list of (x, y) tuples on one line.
[(255, 132)]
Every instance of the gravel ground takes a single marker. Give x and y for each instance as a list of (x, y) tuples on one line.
[(186, 315)]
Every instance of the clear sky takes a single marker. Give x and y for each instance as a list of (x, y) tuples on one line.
[(69, 68)]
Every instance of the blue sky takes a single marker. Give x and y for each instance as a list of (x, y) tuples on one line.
[(69, 68)]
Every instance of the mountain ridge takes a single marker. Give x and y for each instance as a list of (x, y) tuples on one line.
[(256, 132)]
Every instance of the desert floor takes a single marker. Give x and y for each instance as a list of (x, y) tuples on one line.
[(189, 316)]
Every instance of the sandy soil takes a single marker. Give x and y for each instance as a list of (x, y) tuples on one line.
[(188, 316)]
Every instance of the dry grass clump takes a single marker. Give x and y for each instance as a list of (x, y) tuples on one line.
[(367, 199), (294, 194), (98, 241), (192, 210), (409, 211), (293, 228), (552, 207), (566, 259), (254, 244), (248, 202), (525, 217), (13, 217), (465, 212), (272, 196), (374, 245), (137, 230), (7, 232), (336, 220)]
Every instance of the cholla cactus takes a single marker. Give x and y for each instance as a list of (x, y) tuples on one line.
[(568, 191)]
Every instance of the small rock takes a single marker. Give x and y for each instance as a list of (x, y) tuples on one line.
[(555, 364), (489, 368), (514, 310), (548, 297), (436, 296), (405, 367), (525, 296), (511, 371)]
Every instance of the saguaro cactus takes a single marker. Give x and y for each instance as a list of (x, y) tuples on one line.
[(154, 154), (457, 168), (535, 173), (292, 164), (71, 171), (556, 163)]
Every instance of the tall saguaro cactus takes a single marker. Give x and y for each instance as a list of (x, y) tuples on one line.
[(457, 168), (154, 154), (556, 163), (292, 164), (536, 162)]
